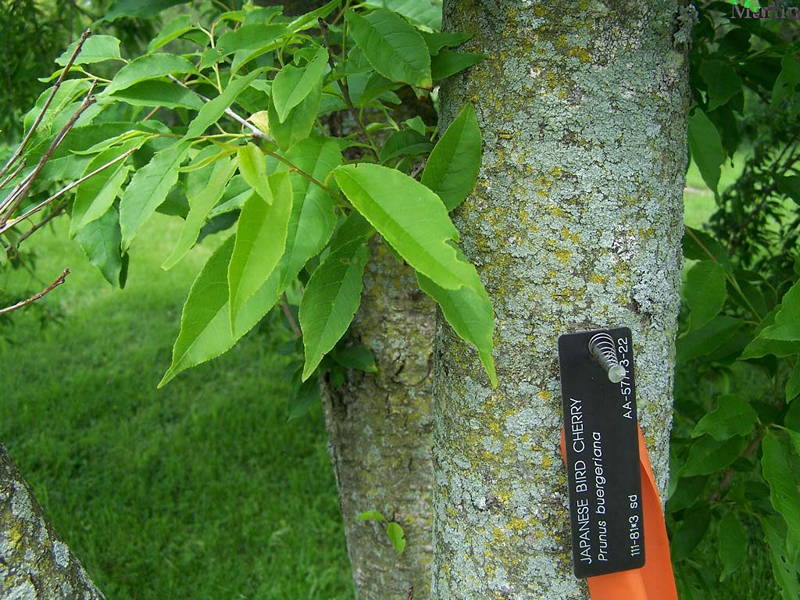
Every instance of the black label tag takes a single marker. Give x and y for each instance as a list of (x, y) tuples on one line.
[(605, 487)]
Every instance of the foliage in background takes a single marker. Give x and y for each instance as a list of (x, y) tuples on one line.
[(735, 482)]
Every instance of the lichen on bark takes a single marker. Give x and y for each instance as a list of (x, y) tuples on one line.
[(575, 224), (379, 427), (34, 563)]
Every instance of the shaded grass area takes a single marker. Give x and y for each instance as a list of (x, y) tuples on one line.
[(200, 490)]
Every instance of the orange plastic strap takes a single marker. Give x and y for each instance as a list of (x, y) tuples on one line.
[(654, 581)]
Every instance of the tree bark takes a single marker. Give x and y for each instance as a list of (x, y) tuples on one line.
[(34, 563), (575, 224), (379, 428)]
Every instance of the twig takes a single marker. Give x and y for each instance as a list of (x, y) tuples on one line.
[(39, 225), (346, 94), (59, 280), (257, 133), (287, 311), (13, 200), (29, 135), (300, 171), (64, 190), (13, 173)]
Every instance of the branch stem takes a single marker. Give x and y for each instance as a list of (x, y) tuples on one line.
[(58, 281)]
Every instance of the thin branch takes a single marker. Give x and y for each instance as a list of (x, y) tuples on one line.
[(257, 133), (300, 171), (287, 312), (39, 225), (32, 130), (59, 280), (64, 190), (10, 203), (13, 173)]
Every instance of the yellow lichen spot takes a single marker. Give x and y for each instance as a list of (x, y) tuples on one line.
[(563, 255), (494, 427), (517, 524), (556, 172), (545, 395), (597, 278), (547, 461), (503, 495), (568, 235), (498, 534), (582, 54), (556, 211)]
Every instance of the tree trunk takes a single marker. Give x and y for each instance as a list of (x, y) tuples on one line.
[(379, 427), (575, 224), (34, 563)]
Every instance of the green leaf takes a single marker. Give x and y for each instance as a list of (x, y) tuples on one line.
[(706, 148), (355, 357), (260, 242), (310, 19), (305, 397), (396, 536), (138, 9), (313, 217), (452, 168), (410, 217), (371, 515), (789, 186), (776, 465), (253, 168), (148, 188), (732, 544), (299, 123), (150, 66), (440, 39), (705, 292), (787, 84), (100, 240), (330, 301), (761, 346), (469, 312), (393, 47), (205, 323), (424, 12), (793, 384), (721, 80), (787, 320), (96, 48), (405, 142), (96, 195), (698, 245), (293, 84), (201, 201), (448, 63), (706, 339), (707, 455), (248, 37), (784, 560), (213, 110), (170, 31), (157, 93), (733, 416), (690, 531)]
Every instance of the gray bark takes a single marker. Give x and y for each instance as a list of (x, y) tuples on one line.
[(34, 563), (379, 428), (575, 224)]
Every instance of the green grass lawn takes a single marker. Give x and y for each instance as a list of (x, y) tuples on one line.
[(200, 490)]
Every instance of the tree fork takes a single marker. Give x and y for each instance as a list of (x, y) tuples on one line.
[(575, 224)]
